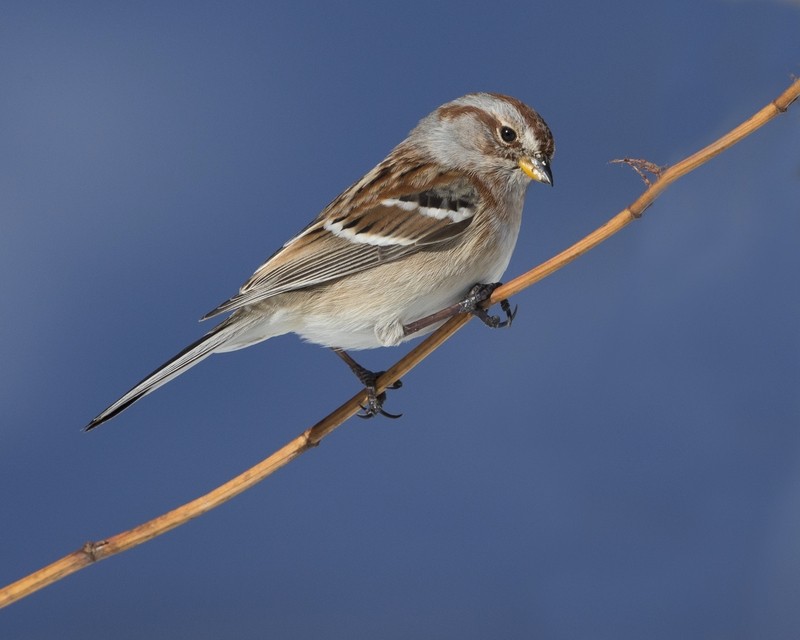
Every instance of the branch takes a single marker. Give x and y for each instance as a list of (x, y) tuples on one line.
[(92, 552)]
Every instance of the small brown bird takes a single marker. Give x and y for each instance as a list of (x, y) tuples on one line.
[(431, 228)]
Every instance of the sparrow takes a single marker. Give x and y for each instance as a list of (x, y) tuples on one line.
[(424, 235)]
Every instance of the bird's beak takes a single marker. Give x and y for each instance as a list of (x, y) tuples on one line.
[(537, 169)]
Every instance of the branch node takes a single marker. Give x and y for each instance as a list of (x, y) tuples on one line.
[(94, 550), (782, 108), (636, 214), (310, 442), (642, 167), (785, 100)]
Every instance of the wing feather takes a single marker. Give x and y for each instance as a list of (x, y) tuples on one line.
[(357, 232)]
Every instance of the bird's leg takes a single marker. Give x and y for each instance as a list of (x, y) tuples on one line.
[(368, 378), (471, 304)]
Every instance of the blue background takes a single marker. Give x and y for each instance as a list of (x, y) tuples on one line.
[(623, 463)]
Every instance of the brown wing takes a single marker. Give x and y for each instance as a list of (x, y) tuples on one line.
[(355, 233)]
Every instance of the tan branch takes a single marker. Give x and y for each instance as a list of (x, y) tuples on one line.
[(91, 552)]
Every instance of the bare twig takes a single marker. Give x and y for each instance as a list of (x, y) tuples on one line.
[(91, 552)]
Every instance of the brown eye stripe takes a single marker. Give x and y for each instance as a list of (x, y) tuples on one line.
[(531, 118)]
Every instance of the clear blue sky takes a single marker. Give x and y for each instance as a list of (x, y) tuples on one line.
[(623, 463)]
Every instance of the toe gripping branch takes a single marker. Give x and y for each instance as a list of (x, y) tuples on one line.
[(369, 379), (479, 294)]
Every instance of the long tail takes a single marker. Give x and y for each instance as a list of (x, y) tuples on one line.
[(180, 363)]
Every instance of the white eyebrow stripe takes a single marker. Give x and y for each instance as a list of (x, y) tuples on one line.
[(439, 214), (337, 229)]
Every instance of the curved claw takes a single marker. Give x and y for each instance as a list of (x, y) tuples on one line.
[(370, 414), (510, 314), (375, 402), (366, 415)]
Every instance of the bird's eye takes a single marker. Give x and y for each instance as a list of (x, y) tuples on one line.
[(508, 134)]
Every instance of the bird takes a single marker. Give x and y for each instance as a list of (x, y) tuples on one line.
[(424, 235)]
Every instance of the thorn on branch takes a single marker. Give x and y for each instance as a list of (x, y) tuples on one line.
[(642, 167)]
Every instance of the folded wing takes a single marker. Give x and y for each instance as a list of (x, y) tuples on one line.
[(354, 234)]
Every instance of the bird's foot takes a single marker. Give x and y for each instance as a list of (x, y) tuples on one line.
[(375, 400), (480, 293), (369, 379)]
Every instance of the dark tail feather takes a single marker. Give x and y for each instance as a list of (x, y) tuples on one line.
[(180, 363)]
